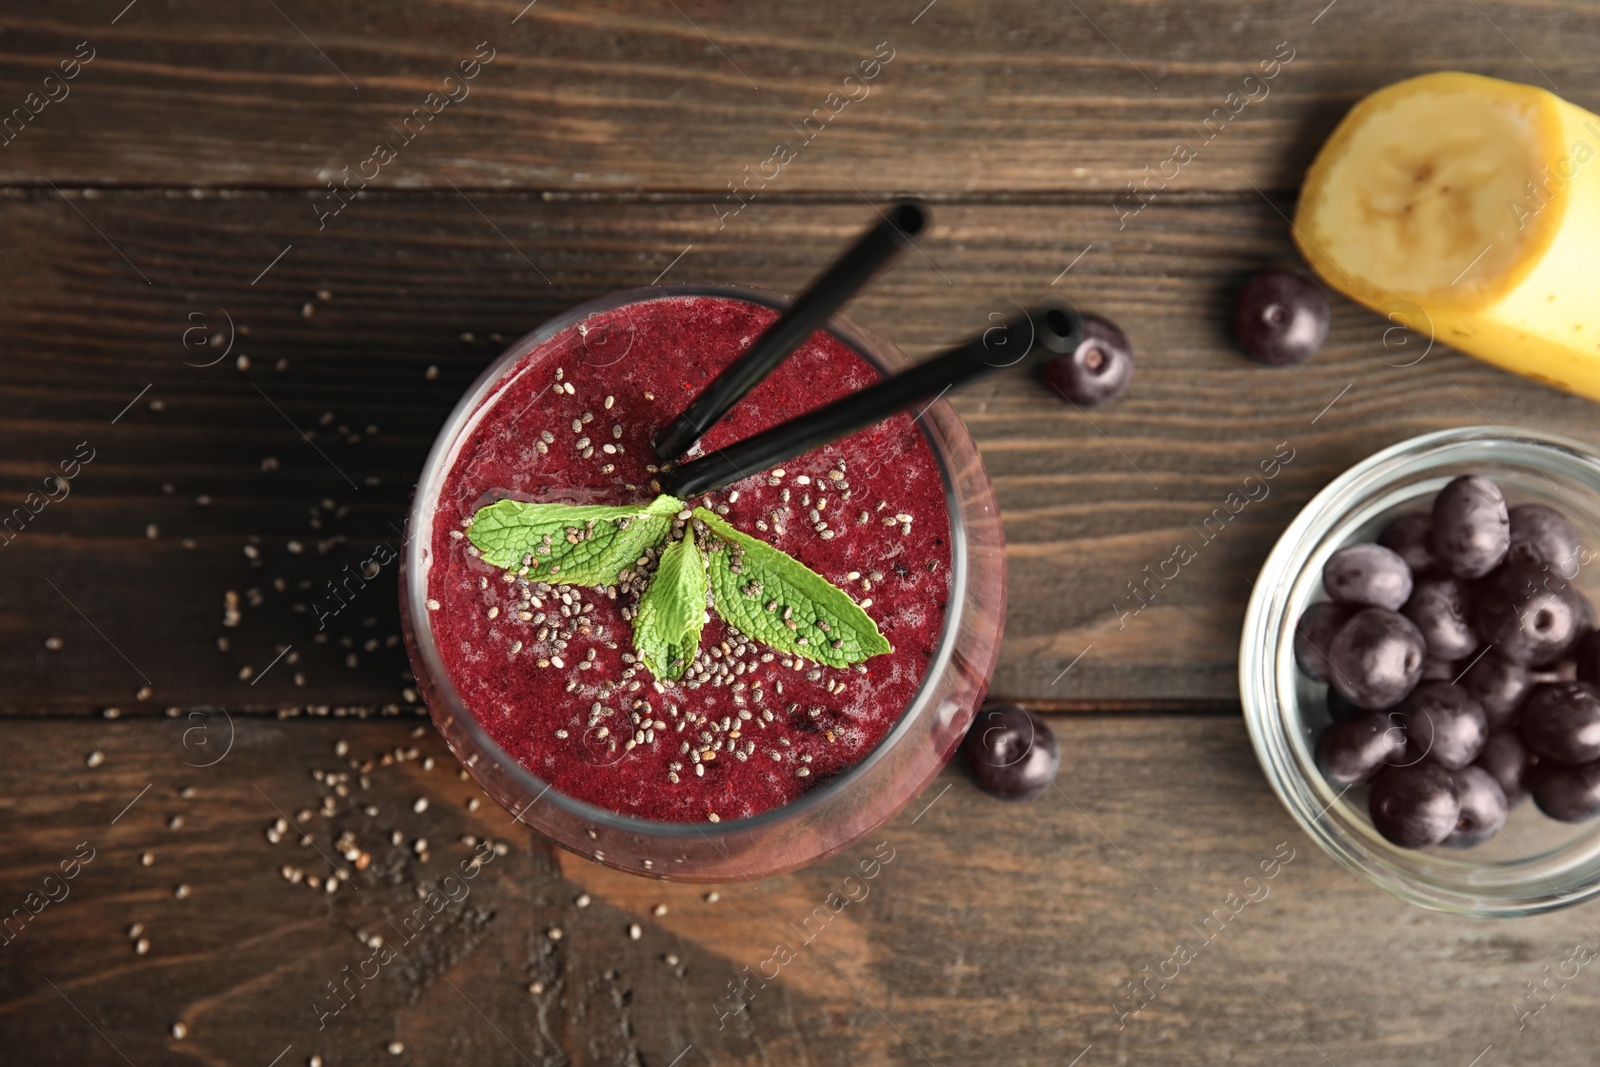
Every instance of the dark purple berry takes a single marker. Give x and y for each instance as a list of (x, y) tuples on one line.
[(1571, 794), (1438, 606), (1586, 658), (1444, 723), (1507, 760), (1415, 806), (1528, 614), (1471, 528), (1560, 721), (1314, 637), (1354, 750), (1099, 369), (1483, 808), (1411, 536), (1499, 684), (1376, 658), (1012, 752), (1563, 670), (1367, 575), (1542, 536), (1585, 609), (1280, 318)]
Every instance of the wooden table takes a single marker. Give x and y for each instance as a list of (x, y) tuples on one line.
[(257, 361)]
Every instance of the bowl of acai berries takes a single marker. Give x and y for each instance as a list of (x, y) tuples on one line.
[(1420, 670)]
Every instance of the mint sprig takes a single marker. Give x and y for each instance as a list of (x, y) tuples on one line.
[(571, 544), (672, 612), (760, 590), (773, 597)]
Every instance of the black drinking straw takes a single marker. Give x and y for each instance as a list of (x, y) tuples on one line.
[(811, 309), (1044, 333)]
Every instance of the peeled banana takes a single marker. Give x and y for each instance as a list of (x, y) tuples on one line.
[(1467, 208)]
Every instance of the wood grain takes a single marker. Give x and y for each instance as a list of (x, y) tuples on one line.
[(413, 281), (666, 99), (993, 933)]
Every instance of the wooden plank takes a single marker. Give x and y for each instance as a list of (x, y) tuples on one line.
[(977, 98), (1089, 499), (992, 933)]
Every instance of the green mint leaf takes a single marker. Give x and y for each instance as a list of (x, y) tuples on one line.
[(571, 544), (672, 612), (779, 601)]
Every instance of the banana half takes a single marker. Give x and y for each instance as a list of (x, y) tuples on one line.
[(1467, 208)]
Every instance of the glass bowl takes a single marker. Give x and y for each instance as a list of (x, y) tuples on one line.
[(819, 823), (1536, 863)]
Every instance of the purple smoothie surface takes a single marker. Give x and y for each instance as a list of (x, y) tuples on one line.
[(748, 728)]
